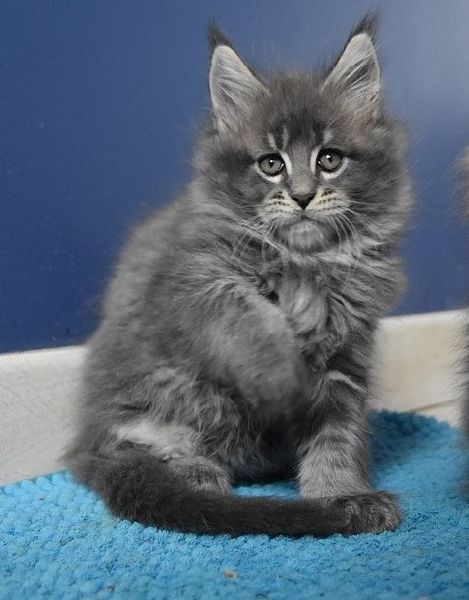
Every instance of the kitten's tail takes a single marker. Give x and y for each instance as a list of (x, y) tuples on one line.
[(137, 486)]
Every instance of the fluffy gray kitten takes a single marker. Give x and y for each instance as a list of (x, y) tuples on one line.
[(237, 334)]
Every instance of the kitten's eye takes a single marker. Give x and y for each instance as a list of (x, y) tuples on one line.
[(329, 160), (271, 165)]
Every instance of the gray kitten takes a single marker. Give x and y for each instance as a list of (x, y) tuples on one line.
[(237, 334)]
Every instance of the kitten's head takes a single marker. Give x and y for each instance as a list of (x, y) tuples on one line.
[(311, 159)]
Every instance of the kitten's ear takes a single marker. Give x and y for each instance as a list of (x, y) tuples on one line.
[(233, 86), (357, 73)]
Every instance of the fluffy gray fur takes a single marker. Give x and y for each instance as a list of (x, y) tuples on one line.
[(236, 337)]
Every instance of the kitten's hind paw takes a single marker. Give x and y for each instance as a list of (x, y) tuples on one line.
[(372, 512), (201, 474)]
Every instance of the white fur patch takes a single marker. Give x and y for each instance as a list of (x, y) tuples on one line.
[(164, 440)]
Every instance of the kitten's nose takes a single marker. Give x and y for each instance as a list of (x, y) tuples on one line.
[(303, 199)]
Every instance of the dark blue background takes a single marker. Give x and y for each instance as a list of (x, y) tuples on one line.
[(99, 103)]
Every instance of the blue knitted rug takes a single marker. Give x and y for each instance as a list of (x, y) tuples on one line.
[(59, 542)]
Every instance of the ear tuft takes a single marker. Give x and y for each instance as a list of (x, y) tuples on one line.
[(369, 25), (216, 36)]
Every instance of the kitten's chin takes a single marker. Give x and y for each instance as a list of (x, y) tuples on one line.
[(305, 236)]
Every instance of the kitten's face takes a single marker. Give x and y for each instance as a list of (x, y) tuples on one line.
[(309, 160), (302, 185)]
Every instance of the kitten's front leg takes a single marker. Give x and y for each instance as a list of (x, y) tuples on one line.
[(245, 343), (334, 458)]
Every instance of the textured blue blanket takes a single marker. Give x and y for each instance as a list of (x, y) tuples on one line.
[(58, 541)]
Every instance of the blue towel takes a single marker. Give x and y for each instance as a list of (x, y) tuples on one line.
[(59, 542)]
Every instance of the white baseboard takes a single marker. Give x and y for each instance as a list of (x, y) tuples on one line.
[(416, 360), (38, 390)]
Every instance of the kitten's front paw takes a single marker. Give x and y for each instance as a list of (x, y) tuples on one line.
[(372, 512)]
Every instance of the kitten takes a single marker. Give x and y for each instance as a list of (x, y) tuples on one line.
[(237, 334)]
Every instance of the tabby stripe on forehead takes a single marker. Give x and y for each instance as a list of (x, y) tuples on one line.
[(282, 143), (327, 137), (285, 137), (272, 142)]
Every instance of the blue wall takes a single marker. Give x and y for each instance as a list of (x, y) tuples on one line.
[(98, 107)]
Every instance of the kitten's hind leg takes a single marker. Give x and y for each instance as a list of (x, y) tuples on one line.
[(179, 448)]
